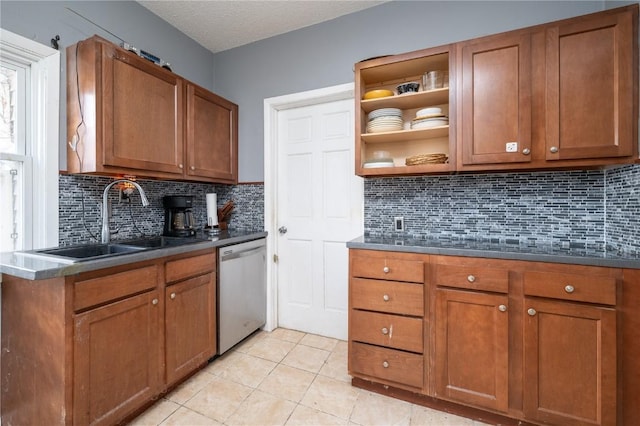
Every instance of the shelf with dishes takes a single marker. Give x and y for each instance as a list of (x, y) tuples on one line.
[(406, 135), (407, 100), (395, 124), (410, 141), (403, 115)]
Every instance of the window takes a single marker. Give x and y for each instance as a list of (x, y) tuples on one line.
[(29, 106)]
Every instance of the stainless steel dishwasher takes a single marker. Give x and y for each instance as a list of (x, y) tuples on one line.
[(242, 291)]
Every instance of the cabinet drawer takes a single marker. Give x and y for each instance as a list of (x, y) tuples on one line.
[(387, 364), (472, 277), (393, 331), (387, 296), (100, 290), (387, 268), (190, 267), (566, 286)]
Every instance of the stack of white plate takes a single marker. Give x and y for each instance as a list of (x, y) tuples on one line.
[(385, 120), (429, 117), (374, 164)]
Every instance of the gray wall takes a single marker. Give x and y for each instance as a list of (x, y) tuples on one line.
[(42, 20), (323, 55)]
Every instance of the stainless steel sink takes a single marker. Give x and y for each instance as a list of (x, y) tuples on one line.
[(87, 251)]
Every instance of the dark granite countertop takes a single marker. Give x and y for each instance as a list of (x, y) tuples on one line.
[(500, 250), (37, 268)]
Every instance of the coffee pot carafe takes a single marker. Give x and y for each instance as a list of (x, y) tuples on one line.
[(179, 220)]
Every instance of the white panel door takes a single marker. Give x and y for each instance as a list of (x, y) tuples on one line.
[(320, 205)]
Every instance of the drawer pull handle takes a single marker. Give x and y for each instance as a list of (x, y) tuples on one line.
[(386, 297), (386, 269), (471, 278), (531, 311), (385, 364), (526, 151), (385, 330), (569, 288), (502, 308), (154, 302), (173, 296)]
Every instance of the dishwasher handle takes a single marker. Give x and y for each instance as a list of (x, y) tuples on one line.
[(230, 254)]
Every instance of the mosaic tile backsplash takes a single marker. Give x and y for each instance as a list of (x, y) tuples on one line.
[(622, 205), (81, 200), (595, 209)]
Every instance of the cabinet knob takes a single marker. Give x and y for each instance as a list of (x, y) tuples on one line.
[(154, 302), (173, 296), (193, 167), (385, 364), (553, 149), (385, 330), (181, 166), (531, 311), (386, 297), (471, 278), (502, 308), (569, 288), (386, 269), (526, 151)]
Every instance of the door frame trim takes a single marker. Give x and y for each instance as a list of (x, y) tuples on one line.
[(272, 107)]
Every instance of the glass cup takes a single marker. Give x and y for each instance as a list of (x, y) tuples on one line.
[(435, 80)]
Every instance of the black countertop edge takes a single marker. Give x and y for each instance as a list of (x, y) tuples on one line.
[(34, 268), (550, 255)]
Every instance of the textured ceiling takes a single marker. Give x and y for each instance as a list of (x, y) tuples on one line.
[(224, 24)]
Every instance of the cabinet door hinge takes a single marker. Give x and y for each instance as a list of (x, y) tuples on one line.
[(275, 258)]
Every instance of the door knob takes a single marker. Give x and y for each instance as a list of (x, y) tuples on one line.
[(282, 230)]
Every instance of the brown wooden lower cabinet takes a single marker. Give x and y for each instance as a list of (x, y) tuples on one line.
[(97, 347), (472, 348), (117, 359), (389, 365), (190, 325), (512, 341), (569, 363)]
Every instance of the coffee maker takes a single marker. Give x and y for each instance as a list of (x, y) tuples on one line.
[(178, 217)]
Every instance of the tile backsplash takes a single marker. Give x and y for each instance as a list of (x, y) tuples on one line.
[(595, 209), (81, 199), (622, 225)]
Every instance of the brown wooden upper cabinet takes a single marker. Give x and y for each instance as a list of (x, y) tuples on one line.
[(495, 90), (557, 95), (590, 79), (212, 129), (126, 115)]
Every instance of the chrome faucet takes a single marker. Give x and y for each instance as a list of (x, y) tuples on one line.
[(105, 206)]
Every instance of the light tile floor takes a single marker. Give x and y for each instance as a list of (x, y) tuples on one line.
[(285, 378)]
